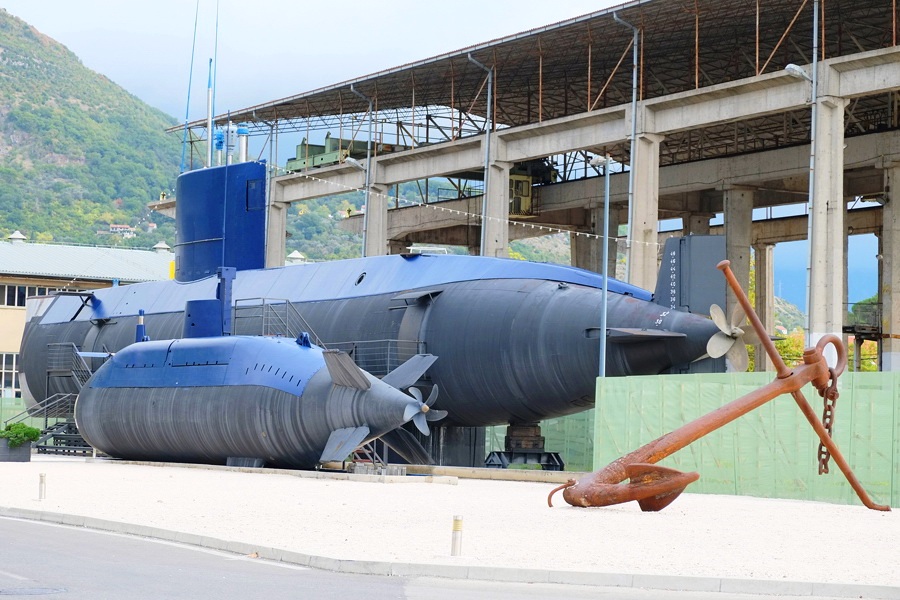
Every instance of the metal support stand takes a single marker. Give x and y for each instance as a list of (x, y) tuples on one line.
[(524, 446)]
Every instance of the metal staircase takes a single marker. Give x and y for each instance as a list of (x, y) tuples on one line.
[(59, 433)]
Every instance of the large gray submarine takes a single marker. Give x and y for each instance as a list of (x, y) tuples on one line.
[(515, 341)]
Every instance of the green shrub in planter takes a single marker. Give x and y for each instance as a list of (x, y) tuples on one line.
[(19, 433)]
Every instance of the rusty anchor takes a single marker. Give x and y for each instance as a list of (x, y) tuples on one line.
[(654, 487)]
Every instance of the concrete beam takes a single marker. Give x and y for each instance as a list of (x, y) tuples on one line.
[(866, 73), (792, 229), (734, 101), (576, 132), (316, 183), (778, 176), (438, 160)]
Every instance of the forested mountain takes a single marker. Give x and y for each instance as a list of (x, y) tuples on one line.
[(77, 152)]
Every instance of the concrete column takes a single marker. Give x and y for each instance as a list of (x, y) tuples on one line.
[(826, 224), (376, 218), (642, 253), (495, 238), (496, 221), (765, 298), (890, 269), (612, 233), (696, 224), (845, 271), (587, 251), (398, 247), (738, 204), (276, 227)]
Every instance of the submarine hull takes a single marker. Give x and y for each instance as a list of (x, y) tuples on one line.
[(211, 399)]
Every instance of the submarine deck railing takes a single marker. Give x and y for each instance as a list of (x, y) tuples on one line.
[(277, 316), (380, 357), (271, 316)]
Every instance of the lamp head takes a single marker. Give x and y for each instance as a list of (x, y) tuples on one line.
[(797, 72), (355, 163)]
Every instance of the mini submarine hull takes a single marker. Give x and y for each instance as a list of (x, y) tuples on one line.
[(210, 399)]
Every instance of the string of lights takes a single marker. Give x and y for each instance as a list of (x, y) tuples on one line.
[(462, 213)]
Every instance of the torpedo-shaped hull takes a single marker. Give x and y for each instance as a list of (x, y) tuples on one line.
[(210, 399)]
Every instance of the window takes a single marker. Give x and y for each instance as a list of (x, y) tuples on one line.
[(9, 376), (15, 295)]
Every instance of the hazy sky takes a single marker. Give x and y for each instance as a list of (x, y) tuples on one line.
[(269, 49)]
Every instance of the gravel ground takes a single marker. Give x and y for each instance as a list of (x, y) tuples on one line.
[(504, 523)]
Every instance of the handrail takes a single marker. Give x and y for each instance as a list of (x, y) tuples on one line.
[(55, 401)]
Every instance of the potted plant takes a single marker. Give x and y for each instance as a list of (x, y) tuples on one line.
[(15, 442)]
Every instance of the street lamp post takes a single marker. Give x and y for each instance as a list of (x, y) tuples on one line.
[(811, 221), (604, 267)]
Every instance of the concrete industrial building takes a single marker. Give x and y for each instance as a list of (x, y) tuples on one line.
[(696, 102)]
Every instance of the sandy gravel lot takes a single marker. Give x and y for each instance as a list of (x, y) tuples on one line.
[(505, 523)]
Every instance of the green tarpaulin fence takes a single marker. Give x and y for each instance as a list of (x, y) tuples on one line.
[(770, 452)]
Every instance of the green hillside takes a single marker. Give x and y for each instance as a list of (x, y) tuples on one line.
[(77, 152)]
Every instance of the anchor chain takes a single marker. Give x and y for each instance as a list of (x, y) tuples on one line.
[(829, 400)]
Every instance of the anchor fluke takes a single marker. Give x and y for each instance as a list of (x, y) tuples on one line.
[(655, 487)]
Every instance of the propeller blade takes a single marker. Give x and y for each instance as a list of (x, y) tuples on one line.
[(432, 397), (410, 411), (751, 337), (416, 393), (421, 423), (718, 317), (719, 344), (738, 356), (435, 414), (738, 316)]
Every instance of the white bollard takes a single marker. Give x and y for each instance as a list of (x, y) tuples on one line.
[(456, 541), (42, 486)]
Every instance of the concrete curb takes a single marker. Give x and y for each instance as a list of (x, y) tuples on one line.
[(499, 574)]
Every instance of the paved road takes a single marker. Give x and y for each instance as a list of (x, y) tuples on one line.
[(39, 560)]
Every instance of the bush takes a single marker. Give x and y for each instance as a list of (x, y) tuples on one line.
[(19, 433)]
